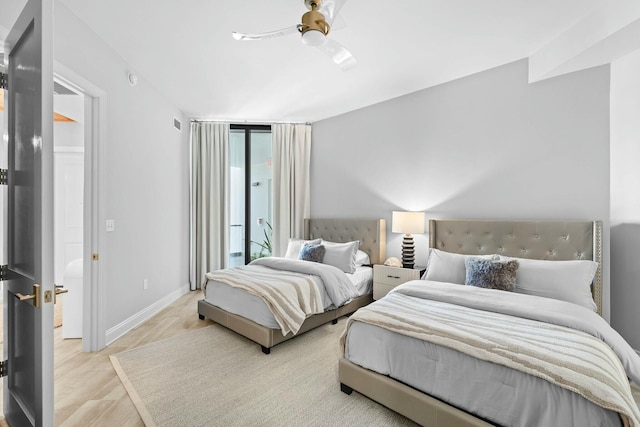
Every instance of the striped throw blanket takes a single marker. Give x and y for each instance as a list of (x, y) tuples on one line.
[(561, 355), (290, 296)]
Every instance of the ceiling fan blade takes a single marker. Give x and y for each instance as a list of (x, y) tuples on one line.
[(339, 54), (330, 9), (269, 35), (338, 24)]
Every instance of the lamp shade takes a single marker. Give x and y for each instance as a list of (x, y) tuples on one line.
[(407, 222)]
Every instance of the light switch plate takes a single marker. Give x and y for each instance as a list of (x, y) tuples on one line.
[(111, 225)]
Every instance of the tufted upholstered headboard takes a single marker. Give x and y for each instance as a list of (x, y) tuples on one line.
[(372, 234), (547, 240)]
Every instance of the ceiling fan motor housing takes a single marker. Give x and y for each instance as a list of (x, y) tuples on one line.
[(314, 20)]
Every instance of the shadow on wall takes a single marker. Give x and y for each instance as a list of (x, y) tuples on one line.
[(625, 281)]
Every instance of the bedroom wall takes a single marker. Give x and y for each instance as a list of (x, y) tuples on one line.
[(625, 197), (487, 146), (146, 174)]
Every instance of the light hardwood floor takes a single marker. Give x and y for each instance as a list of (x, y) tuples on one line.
[(87, 390)]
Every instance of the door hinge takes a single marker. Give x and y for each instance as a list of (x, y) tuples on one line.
[(4, 368), (3, 273), (4, 81), (4, 177)]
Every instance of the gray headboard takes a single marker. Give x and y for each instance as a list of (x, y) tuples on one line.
[(372, 234), (548, 240)]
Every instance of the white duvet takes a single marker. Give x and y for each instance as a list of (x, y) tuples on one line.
[(291, 290), (407, 301)]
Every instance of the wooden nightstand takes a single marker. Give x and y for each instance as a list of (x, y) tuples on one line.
[(386, 278)]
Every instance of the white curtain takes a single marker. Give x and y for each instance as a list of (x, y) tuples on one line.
[(209, 200), (291, 182)]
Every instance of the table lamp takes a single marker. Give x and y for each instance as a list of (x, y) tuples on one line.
[(407, 223)]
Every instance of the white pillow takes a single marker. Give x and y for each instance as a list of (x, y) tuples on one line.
[(341, 255), (362, 258), (294, 246), (564, 280), (447, 266)]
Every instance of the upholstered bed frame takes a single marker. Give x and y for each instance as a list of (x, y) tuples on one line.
[(372, 236), (551, 240)]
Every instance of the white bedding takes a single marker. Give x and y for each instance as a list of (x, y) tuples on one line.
[(489, 390), (253, 307)]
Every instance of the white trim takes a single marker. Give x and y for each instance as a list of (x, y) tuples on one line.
[(145, 314), (94, 278), (637, 351)]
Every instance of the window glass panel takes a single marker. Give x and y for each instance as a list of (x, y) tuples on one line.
[(237, 199), (261, 209), (251, 193)]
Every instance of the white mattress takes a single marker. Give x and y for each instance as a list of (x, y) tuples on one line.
[(252, 307), (495, 393)]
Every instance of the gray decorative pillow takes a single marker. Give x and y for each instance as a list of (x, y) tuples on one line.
[(310, 252), (486, 273)]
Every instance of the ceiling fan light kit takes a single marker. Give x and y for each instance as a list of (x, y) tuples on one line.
[(314, 28), (313, 38)]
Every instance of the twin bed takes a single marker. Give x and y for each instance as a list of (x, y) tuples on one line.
[(443, 354), (240, 310)]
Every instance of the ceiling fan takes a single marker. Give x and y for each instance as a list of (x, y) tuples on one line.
[(314, 30)]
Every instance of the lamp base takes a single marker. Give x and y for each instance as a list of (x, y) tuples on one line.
[(408, 251)]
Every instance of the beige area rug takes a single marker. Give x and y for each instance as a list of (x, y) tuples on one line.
[(214, 377)]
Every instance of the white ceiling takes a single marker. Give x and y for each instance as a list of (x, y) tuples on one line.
[(185, 49)]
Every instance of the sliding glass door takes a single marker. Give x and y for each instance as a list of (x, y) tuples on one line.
[(251, 193)]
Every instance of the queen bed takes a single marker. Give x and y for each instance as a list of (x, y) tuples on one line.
[(449, 355), (232, 298)]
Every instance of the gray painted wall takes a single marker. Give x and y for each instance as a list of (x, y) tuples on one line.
[(625, 197), (147, 175), (485, 146)]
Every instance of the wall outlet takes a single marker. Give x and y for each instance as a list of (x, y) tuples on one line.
[(111, 225), (145, 284)]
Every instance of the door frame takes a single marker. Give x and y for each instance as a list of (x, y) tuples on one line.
[(94, 238)]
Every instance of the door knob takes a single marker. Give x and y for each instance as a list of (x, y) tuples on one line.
[(59, 290), (35, 296)]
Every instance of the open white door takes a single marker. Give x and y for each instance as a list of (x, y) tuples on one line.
[(29, 289)]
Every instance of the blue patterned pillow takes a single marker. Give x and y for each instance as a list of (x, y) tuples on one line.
[(310, 252), (486, 273)]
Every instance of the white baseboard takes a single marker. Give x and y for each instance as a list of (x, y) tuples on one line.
[(137, 319)]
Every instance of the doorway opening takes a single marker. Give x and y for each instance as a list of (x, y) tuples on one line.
[(68, 160)]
